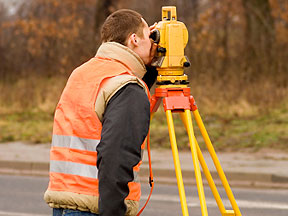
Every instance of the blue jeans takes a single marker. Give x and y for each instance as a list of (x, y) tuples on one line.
[(70, 212)]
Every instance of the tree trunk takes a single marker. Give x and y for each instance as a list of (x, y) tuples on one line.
[(259, 38), (103, 9)]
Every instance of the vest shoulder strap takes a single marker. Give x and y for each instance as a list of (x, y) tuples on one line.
[(110, 87)]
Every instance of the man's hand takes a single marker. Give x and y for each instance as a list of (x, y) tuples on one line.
[(152, 27), (153, 45), (151, 74)]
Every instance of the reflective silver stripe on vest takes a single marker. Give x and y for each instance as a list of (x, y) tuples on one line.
[(84, 170), (74, 142), (136, 178), (72, 168), (142, 154)]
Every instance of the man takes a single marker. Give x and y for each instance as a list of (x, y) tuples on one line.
[(103, 115)]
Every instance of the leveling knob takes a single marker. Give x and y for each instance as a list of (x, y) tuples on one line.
[(186, 64), (161, 49)]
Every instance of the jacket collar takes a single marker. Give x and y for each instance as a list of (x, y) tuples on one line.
[(123, 54)]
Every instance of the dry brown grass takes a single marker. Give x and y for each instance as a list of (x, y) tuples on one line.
[(237, 98), (236, 115), (31, 94)]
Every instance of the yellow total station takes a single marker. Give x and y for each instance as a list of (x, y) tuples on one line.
[(172, 37)]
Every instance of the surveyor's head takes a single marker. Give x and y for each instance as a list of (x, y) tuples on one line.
[(128, 28)]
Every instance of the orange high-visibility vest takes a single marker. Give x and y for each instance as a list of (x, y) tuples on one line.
[(77, 131)]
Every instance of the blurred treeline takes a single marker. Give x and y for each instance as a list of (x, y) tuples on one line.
[(238, 49)]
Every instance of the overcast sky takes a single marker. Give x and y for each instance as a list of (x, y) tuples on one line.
[(11, 5)]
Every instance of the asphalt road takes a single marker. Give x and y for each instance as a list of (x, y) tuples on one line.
[(22, 196)]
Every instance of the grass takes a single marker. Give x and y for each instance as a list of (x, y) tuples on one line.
[(26, 114), (229, 133), (34, 127), (268, 130)]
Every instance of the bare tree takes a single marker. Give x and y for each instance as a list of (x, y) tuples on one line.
[(2, 50), (259, 36), (103, 9)]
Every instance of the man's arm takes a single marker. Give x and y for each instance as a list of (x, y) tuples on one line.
[(125, 126), (150, 76)]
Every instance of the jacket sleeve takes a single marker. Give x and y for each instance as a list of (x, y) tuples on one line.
[(124, 128), (150, 76)]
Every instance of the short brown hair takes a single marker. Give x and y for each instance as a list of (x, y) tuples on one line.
[(120, 24)]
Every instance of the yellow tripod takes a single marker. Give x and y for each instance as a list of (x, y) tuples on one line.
[(172, 37), (178, 99)]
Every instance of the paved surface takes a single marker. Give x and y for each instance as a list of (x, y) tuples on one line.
[(263, 169)]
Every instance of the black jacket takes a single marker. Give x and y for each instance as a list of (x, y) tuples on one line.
[(125, 125)]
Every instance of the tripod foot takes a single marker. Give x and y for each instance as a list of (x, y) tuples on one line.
[(229, 213)]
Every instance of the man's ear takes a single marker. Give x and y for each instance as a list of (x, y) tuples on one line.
[(133, 39)]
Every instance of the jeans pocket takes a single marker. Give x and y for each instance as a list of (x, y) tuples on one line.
[(70, 212)]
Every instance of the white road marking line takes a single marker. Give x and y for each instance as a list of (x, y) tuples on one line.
[(20, 214), (191, 202), (194, 202)]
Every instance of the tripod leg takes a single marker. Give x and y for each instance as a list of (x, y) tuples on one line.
[(210, 180), (177, 163), (216, 162), (206, 170), (199, 182)]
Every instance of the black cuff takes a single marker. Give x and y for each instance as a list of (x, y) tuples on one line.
[(150, 77)]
